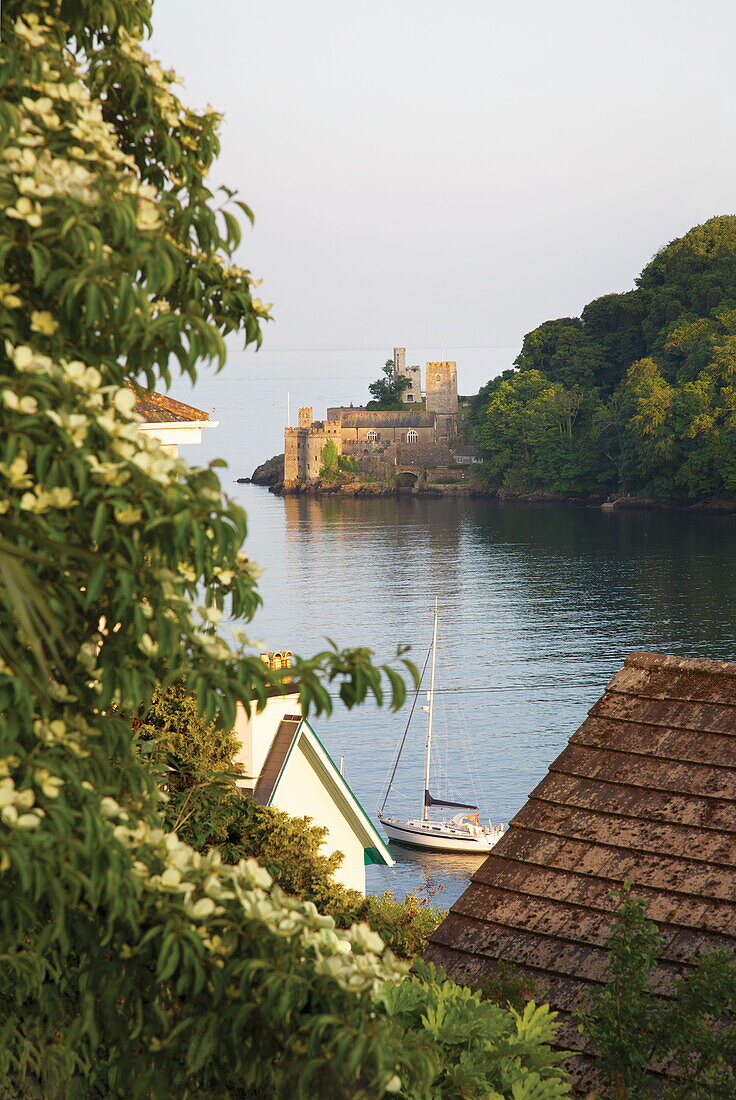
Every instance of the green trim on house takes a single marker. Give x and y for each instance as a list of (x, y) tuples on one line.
[(353, 795), (372, 853)]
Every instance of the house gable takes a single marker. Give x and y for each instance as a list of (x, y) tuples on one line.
[(300, 777)]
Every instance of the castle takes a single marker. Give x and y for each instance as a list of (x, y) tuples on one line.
[(378, 441)]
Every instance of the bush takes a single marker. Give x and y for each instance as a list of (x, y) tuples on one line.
[(405, 926), (691, 1032)]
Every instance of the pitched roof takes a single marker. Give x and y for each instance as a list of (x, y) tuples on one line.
[(645, 790), (276, 758), (294, 729), (156, 408), (374, 418)]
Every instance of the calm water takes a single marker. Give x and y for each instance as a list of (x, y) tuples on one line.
[(539, 604)]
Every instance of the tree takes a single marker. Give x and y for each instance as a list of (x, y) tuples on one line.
[(330, 460), (645, 409), (562, 351), (648, 371), (187, 749), (387, 391), (613, 322), (634, 1028), (133, 965), (532, 436)]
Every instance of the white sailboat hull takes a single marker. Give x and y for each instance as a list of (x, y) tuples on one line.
[(463, 834), (440, 836)]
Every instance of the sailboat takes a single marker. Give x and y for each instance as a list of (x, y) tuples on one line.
[(463, 832)]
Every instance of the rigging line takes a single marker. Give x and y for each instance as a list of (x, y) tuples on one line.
[(497, 688), (403, 738), (465, 744)]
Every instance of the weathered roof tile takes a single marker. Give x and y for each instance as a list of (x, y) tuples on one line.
[(157, 408), (645, 790)]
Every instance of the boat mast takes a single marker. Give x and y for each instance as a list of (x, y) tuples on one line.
[(430, 712)]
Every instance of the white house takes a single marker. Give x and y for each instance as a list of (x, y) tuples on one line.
[(172, 422), (285, 765)]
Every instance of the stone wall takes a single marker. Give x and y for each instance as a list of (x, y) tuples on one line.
[(445, 474), (423, 455), (382, 459), (303, 446)]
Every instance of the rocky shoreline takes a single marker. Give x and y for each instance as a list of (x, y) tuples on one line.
[(270, 474)]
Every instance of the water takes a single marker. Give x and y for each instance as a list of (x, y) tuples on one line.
[(539, 606)]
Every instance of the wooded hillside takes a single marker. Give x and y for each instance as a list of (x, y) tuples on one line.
[(636, 395)]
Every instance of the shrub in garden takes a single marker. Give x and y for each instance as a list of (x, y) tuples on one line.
[(690, 1033)]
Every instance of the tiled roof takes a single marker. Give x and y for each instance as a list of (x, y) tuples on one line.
[(368, 418), (156, 408), (645, 790)]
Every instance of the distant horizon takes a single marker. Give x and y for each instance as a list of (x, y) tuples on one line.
[(381, 347)]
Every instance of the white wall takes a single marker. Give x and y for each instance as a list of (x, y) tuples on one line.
[(256, 733), (301, 793), (176, 434)]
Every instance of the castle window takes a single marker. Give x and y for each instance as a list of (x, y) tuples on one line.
[(372, 435), (410, 397), (412, 436)]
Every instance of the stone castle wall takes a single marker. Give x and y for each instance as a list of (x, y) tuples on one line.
[(379, 441), (441, 387), (303, 446)]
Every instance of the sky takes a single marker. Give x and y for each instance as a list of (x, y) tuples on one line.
[(425, 173)]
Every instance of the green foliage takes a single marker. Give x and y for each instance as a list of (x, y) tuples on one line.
[(386, 391), (334, 464), (691, 1032), (188, 748), (530, 434), (623, 1019), (481, 1049), (347, 465), (636, 395), (405, 926), (563, 352), (330, 460), (508, 987)]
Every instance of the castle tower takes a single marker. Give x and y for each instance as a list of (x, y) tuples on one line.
[(399, 361), (411, 394), (303, 446), (441, 387)]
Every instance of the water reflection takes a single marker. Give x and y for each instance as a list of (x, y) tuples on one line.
[(436, 878), (539, 607)]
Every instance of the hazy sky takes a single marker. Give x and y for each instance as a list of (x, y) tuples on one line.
[(424, 172)]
